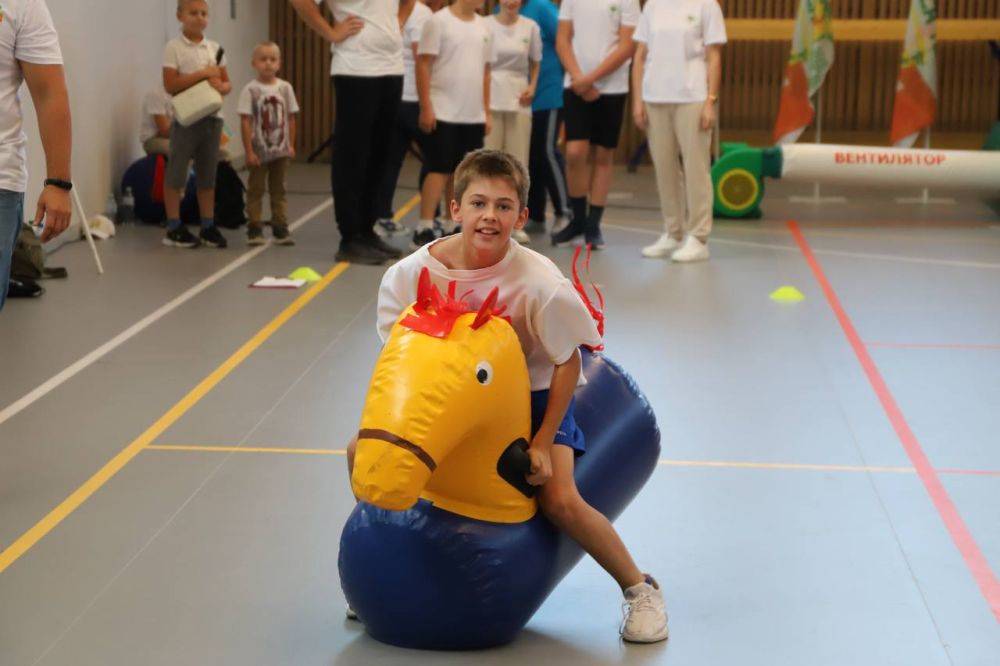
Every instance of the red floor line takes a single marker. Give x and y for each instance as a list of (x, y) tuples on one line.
[(960, 534), (931, 345)]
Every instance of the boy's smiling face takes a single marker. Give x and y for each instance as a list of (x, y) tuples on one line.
[(489, 211), (193, 16)]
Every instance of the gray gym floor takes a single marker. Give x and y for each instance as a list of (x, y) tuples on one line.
[(786, 523)]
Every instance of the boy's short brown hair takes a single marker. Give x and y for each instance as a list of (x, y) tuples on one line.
[(485, 163), (181, 4), (264, 45)]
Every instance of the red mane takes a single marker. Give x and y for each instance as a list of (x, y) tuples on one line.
[(435, 315)]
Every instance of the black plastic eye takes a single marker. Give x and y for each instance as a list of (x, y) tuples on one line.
[(484, 373)]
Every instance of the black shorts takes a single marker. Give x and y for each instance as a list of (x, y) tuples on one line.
[(445, 147), (599, 122)]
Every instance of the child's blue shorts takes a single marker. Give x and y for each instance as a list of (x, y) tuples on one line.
[(569, 434)]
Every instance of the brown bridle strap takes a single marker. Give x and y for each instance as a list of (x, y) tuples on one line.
[(386, 436)]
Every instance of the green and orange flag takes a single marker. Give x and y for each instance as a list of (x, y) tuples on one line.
[(916, 88), (810, 60)]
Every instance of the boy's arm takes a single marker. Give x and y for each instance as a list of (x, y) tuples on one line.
[(162, 123), (293, 130), (564, 379), (623, 51), (564, 48), (222, 83), (246, 132), (428, 121), (175, 83)]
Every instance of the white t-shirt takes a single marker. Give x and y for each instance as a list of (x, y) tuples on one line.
[(412, 30), (595, 35), (26, 34), (155, 103), (676, 33), (270, 106), (375, 51), (188, 57), (516, 47), (550, 319), (463, 49)]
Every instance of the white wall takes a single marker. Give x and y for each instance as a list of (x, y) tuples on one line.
[(113, 51)]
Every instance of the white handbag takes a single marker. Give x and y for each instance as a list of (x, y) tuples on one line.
[(199, 101)]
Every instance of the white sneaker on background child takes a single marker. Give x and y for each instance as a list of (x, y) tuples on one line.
[(692, 250), (663, 247), (521, 236), (645, 618)]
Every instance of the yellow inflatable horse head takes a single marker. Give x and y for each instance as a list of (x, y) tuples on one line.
[(448, 412)]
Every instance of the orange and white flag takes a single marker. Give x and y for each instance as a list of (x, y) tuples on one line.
[(916, 88), (808, 63)]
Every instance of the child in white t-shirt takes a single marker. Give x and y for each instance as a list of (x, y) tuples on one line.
[(453, 85), (517, 42), (157, 116), (551, 322), (268, 109)]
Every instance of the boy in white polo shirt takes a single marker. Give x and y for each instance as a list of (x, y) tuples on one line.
[(187, 61), (595, 45), (29, 52), (453, 84)]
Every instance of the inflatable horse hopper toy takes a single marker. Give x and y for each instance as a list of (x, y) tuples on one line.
[(446, 549)]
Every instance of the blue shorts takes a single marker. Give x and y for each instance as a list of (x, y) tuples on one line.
[(569, 434)]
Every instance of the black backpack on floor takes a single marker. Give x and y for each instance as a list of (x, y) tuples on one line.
[(230, 202)]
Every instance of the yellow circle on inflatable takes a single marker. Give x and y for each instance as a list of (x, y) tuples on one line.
[(738, 189)]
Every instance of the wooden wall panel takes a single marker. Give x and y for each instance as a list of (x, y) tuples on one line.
[(857, 98)]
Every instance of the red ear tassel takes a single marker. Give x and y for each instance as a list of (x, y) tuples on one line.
[(486, 311), (596, 313)]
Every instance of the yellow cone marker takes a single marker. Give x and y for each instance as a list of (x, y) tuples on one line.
[(787, 294), (305, 273)]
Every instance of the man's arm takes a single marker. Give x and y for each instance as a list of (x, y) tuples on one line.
[(47, 85), (309, 12), (564, 379)]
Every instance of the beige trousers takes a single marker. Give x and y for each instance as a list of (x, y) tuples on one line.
[(675, 133), (268, 177), (511, 133)]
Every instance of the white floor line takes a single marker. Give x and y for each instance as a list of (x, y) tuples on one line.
[(833, 253), (83, 363)]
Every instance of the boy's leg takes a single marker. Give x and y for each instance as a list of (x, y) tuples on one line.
[(182, 145), (206, 164), (352, 448), (255, 195), (563, 505), (276, 174)]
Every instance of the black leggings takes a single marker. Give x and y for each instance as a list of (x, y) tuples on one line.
[(546, 165), (366, 114), (405, 132)]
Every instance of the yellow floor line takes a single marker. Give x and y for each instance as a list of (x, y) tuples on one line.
[(406, 208), (112, 467)]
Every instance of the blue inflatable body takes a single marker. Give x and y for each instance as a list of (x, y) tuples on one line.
[(429, 579)]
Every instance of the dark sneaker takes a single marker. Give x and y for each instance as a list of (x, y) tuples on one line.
[(569, 235), (594, 239), (213, 237), (181, 237), (282, 236), (360, 252), (255, 236), (424, 236), (383, 247), (24, 288)]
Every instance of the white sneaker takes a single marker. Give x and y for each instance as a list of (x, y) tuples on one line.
[(387, 227), (521, 236), (663, 247), (645, 615), (559, 223), (692, 250), (350, 614)]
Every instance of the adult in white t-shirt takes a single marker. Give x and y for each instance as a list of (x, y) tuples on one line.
[(413, 14), (367, 70), (595, 45), (454, 59), (517, 42), (678, 68), (29, 52)]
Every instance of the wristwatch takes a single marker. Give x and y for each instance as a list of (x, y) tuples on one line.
[(61, 184)]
